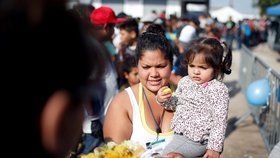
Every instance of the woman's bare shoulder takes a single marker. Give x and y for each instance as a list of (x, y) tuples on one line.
[(117, 124), (118, 107), (122, 99)]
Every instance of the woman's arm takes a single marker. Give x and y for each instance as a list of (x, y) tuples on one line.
[(117, 124)]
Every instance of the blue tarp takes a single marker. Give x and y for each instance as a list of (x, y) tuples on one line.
[(273, 10)]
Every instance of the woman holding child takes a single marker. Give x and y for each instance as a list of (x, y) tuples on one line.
[(134, 113)]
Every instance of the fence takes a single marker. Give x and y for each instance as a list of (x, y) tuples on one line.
[(266, 117)]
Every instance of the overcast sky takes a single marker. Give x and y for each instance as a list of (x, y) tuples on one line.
[(243, 6)]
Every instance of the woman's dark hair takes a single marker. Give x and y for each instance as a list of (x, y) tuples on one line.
[(153, 39), (217, 55)]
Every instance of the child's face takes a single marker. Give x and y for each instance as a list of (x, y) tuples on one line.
[(126, 37), (199, 71), (132, 76)]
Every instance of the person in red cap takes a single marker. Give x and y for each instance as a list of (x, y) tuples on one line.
[(104, 20)]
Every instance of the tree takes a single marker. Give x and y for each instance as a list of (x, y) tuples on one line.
[(263, 4)]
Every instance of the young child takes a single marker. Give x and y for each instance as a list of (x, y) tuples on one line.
[(201, 101), (128, 40), (129, 34), (129, 71)]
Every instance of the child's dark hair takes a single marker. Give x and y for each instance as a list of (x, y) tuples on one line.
[(128, 63), (130, 25), (153, 39), (218, 55), (216, 32)]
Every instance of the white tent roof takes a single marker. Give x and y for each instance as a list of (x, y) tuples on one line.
[(224, 13)]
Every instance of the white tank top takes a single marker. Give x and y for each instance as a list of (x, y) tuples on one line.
[(141, 132)]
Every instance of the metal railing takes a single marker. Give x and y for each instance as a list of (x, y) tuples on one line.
[(267, 117)]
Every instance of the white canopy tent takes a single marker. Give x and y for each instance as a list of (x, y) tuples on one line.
[(224, 13)]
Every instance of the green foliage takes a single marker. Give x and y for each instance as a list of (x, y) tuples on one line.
[(263, 4), (268, 2)]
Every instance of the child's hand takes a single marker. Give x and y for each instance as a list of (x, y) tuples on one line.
[(164, 94), (211, 154)]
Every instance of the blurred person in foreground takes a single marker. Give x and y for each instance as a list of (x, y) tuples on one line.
[(50, 64)]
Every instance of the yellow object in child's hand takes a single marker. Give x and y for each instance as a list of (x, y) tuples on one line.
[(166, 90)]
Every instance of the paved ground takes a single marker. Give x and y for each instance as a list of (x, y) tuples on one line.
[(245, 141)]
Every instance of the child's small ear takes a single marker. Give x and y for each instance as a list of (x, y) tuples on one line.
[(132, 35), (125, 75)]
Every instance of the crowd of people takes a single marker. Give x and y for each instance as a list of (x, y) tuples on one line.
[(93, 76)]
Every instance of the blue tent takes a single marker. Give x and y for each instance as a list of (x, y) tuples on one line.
[(273, 10)]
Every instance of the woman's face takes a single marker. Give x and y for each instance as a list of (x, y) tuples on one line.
[(154, 70)]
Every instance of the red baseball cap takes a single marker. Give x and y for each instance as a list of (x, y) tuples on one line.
[(104, 15)]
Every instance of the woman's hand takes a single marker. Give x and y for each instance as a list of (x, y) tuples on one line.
[(163, 94), (211, 154)]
